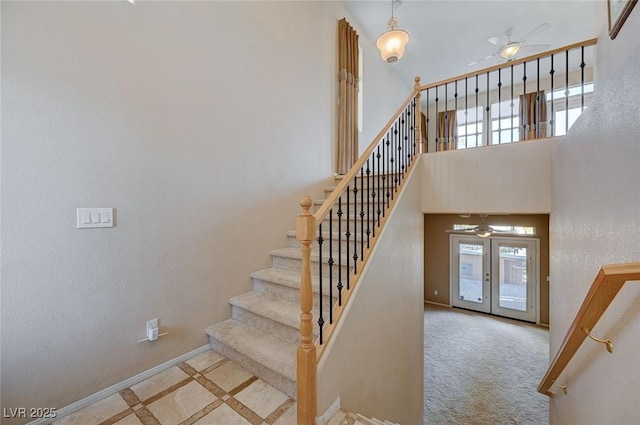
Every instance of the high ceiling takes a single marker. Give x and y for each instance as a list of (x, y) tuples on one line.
[(446, 35)]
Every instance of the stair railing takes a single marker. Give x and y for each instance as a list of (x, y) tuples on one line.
[(345, 229), (534, 97), (608, 282)]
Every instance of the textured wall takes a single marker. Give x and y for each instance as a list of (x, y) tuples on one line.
[(595, 221), (195, 142), (374, 361)]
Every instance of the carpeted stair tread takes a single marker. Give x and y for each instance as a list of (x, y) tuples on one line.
[(289, 278), (296, 253), (261, 347), (271, 307)]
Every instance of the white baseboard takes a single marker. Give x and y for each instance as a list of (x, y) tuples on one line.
[(326, 417), (434, 303), (95, 397)]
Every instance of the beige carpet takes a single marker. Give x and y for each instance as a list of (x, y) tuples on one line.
[(480, 369)]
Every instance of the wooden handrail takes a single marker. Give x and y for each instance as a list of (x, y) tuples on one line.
[(605, 287), (337, 192), (585, 43)]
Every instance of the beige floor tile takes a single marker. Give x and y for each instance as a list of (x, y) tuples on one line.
[(205, 360), (159, 382), (181, 403), (223, 415), (338, 418), (261, 397), (96, 413), (132, 419), (228, 376), (289, 417)]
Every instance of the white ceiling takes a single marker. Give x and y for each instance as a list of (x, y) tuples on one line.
[(448, 34)]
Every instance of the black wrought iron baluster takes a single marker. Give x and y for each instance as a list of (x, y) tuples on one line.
[(446, 117), (524, 98), (380, 189), (330, 262), (426, 119), (511, 104), (538, 99), (499, 106), (362, 233), (466, 112), (437, 123), (566, 93), (488, 109), (400, 144), (374, 194), (412, 130), (369, 193), (320, 312), (394, 162), (582, 65), (340, 286), (476, 126), (385, 177), (552, 120), (355, 224), (347, 235), (455, 114)]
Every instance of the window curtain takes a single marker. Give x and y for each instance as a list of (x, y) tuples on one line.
[(447, 130), (533, 116), (423, 128), (347, 96)]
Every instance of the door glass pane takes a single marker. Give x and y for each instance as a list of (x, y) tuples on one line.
[(470, 284), (513, 277)]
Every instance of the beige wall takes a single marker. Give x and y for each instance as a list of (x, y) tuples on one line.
[(194, 142), (375, 361), (506, 179), (437, 260), (595, 221)]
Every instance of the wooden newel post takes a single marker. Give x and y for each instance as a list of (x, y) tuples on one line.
[(418, 119), (306, 366)]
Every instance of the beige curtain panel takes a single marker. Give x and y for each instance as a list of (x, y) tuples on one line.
[(533, 116), (347, 96), (447, 130)]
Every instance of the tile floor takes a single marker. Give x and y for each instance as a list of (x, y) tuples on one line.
[(206, 390)]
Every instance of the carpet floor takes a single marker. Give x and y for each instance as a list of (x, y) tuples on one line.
[(481, 369)]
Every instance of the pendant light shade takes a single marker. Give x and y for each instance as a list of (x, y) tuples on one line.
[(392, 42)]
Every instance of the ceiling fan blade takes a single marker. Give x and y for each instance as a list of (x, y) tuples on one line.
[(537, 30), (496, 41), (481, 59)]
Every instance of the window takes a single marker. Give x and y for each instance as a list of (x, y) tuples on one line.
[(360, 86), (505, 122), (567, 106), (512, 230), (469, 127)]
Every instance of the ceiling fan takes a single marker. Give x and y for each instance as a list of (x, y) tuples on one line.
[(483, 230), (508, 49)]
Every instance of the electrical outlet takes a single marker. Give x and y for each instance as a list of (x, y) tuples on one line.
[(152, 329), (435, 292)]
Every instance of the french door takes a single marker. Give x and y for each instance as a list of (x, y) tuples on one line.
[(497, 275)]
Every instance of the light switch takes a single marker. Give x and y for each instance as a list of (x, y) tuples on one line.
[(94, 217)]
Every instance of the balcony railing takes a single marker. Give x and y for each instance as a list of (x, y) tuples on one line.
[(534, 97)]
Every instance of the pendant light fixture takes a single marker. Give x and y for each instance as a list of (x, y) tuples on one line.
[(392, 42)]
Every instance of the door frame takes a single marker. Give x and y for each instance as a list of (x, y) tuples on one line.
[(515, 237)]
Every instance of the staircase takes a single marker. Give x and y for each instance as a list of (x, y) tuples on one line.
[(262, 334), (347, 418)]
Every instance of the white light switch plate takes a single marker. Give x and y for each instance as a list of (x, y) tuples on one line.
[(94, 217)]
